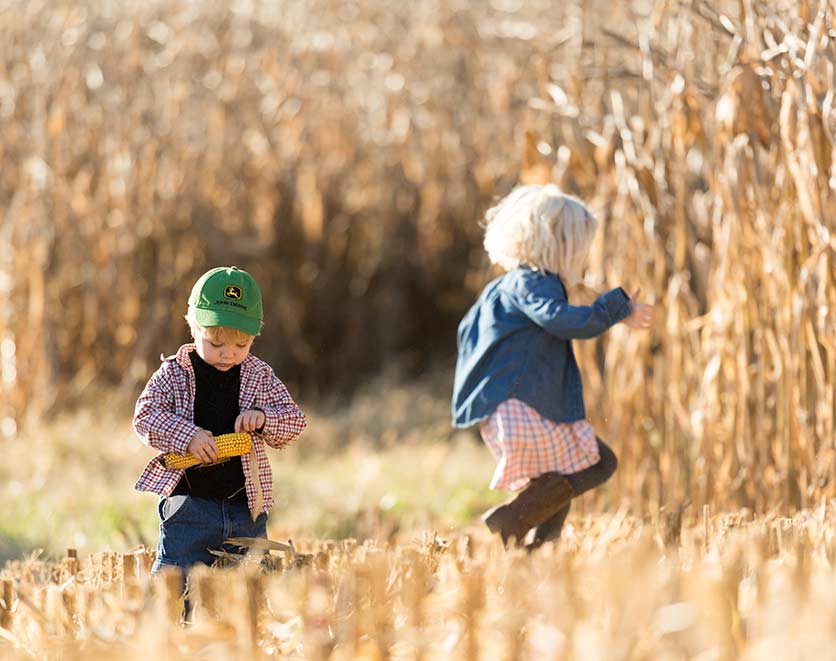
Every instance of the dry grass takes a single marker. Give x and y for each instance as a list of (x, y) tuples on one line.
[(726, 587)]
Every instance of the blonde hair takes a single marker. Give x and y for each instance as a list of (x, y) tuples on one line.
[(216, 333), (541, 226)]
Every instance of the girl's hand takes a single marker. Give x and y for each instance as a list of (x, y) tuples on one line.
[(642, 315), (203, 446), (250, 420)]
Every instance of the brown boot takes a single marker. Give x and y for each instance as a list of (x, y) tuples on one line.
[(540, 500), (549, 530)]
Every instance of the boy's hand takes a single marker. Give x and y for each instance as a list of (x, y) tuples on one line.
[(250, 420), (203, 446), (642, 315)]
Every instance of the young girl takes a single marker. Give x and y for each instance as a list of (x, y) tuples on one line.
[(516, 373)]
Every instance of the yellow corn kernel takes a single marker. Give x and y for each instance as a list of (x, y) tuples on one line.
[(229, 445)]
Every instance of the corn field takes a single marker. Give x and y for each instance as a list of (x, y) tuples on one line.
[(344, 153), (728, 587)]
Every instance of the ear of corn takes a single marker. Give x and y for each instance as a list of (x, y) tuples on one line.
[(229, 445)]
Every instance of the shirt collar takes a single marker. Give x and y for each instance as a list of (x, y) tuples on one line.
[(182, 357)]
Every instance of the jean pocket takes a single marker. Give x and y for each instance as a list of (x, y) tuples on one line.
[(172, 507)]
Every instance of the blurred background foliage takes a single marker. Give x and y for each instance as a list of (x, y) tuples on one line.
[(344, 153)]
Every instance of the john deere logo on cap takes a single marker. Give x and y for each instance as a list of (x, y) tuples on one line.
[(234, 292)]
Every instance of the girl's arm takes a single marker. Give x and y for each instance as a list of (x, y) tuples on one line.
[(546, 306), (155, 422), (284, 420)]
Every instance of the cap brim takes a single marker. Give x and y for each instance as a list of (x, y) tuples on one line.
[(227, 319)]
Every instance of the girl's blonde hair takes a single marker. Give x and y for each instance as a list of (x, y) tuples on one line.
[(216, 333), (541, 226)]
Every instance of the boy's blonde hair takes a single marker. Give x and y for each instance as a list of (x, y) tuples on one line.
[(541, 226), (216, 333)]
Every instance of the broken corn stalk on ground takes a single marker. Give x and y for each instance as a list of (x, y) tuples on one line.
[(229, 445)]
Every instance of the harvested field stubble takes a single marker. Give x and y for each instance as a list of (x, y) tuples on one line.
[(727, 587)]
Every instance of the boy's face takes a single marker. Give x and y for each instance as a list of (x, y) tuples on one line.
[(221, 350)]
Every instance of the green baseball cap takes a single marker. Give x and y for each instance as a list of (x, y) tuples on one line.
[(227, 296)]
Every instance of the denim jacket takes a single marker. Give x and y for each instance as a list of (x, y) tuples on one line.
[(515, 341)]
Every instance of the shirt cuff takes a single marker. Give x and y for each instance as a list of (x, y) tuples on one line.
[(185, 433), (619, 305)]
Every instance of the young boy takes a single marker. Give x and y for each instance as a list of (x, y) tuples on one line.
[(212, 387)]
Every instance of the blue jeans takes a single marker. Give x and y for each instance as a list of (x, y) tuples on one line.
[(190, 526)]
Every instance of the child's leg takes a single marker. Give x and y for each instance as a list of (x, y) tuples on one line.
[(550, 530), (596, 474), (581, 481), (189, 527), (239, 523), (546, 495), (542, 498)]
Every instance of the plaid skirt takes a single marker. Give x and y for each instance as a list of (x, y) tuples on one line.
[(526, 445)]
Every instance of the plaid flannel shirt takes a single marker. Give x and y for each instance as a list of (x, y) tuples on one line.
[(164, 420)]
